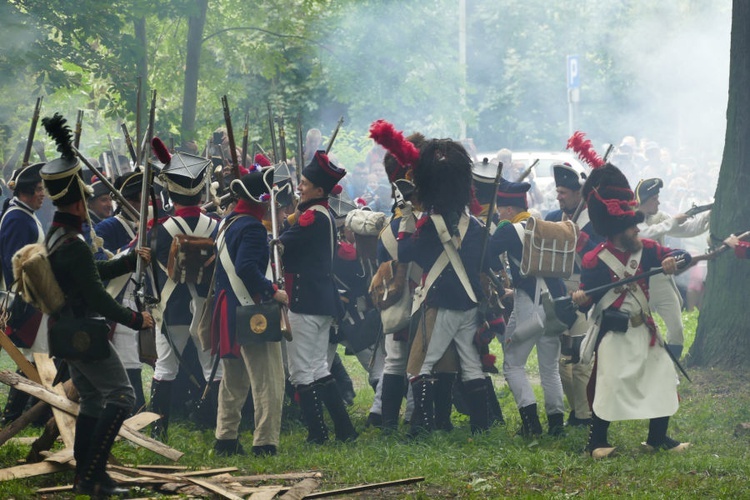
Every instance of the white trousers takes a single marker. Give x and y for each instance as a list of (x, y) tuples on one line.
[(665, 300), (459, 327), (307, 354), (516, 353), (167, 364)]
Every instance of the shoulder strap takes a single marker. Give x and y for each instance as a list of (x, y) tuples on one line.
[(621, 271), (323, 210), (389, 242), (125, 226), (449, 246), (238, 287)]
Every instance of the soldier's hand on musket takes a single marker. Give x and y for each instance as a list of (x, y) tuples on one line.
[(732, 241), (579, 297), (145, 254), (281, 297), (148, 320), (669, 265), (277, 242), (680, 218)]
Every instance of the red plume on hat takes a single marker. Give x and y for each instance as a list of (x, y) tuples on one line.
[(584, 149), (160, 150), (386, 135), (261, 160)]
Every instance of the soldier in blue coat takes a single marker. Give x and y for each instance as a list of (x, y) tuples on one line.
[(525, 328), (185, 177), (446, 242), (118, 231), (241, 279), (19, 227), (574, 376), (309, 246)]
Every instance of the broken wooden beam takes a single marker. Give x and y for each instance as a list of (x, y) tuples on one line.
[(364, 487), (301, 489)]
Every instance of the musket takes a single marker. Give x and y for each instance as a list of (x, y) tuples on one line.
[(335, 133), (218, 140), (107, 167), (300, 150), (146, 149), (79, 128), (32, 131), (121, 201), (273, 135), (245, 132), (129, 143), (260, 148), (138, 106), (282, 138), (528, 170), (278, 276), (115, 157), (223, 200), (230, 136), (488, 228)]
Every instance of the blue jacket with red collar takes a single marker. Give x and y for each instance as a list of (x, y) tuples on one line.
[(424, 248), (309, 246)]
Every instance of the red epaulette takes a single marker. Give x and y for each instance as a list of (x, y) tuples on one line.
[(647, 243), (591, 259), (307, 218), (347, 251)]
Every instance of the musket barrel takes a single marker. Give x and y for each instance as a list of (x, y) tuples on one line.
[(335, 133), (32, 131), (121, 201)]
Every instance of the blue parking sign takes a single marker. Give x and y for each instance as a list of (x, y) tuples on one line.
[(574, 73)]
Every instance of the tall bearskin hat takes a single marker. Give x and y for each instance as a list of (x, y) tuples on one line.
[(610, 201), (62, 176), (442, 176)]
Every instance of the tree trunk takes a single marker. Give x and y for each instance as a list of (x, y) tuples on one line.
[(196, 24), (722, 339)]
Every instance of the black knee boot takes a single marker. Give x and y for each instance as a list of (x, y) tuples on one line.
[(343, 380), (556, 424), (161, 401), (423, 418), (134, 375), (93, 479), (311, 404), (598, 446), (658, 439), (391, 397), (444, 401), (475, 393), (85, 424), (493, 404), (342, 424), (530, 425)]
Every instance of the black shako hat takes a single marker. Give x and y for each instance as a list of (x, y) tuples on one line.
[(512, 194), (183, 174), (484, 187), (62, 176), (25, 178), (567, 177), (321, 172), (130, 185), (610, 201), (98, 187), (255, 186), (647, 189)]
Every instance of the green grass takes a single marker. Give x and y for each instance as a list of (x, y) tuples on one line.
[(496, 464)]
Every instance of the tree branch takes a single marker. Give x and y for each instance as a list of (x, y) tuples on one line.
[(262, 30)]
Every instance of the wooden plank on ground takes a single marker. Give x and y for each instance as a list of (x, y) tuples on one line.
[(301, 489), (268, 494), (289, 476), (215, 488), (68, 406), (365, 487), (66, 424), (24, 420), (24, 364), (30, 470), (157, 467)]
